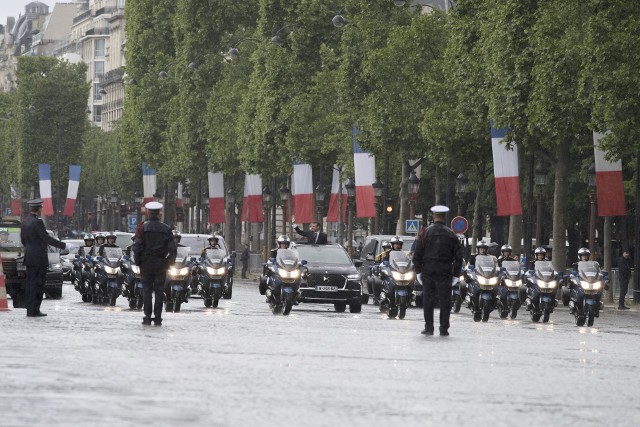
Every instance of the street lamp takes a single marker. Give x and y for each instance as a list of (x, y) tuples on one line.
[(461, 189), (591, 173), (351, 195), (319, 194), (284, 196), (231, 204), (186, 200), (378, 188), (114, 205), (266, 204), (413, 185), (540, 179)]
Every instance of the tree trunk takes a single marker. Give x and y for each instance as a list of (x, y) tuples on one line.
[(560, 205), (477, 223), (608, 254), (403, 200), (515, 233)]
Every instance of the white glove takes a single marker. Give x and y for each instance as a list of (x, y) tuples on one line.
[(454, 280), (419, 278), (70, 247)]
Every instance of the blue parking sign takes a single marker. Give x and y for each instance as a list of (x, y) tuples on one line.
[(132, 221)]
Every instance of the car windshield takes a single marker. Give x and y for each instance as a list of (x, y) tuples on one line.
[(197, 242), (323, 254), (10, 239)]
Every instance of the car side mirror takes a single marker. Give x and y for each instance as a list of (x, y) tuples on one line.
[(64, 252), (303, 262), (358, 263)]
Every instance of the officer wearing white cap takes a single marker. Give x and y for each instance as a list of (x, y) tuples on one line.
[(35, 239), (438, 258), (155, 250)]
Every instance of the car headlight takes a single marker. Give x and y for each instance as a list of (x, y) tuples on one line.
[(403, 276), (485, 281), (289, 274), (111, 270), (55, 267), (178, 271), (216, 271), (512, 283), (591, 286), (135, 269), (547, 285), (354, 276)]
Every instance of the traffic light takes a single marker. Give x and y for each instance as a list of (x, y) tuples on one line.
[(388, 208), (123, 211)]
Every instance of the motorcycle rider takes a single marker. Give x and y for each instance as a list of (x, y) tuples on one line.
[(384, 255), (283, 243), (396, 245), (100, 238), (213, 244), (83, 252), (89, 242), (540, 254), (178, 237), (483, 249), (506, 251), (111, 243)]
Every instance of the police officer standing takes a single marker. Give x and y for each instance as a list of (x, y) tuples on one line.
[(35, 239), (438, 257), (155, 250)]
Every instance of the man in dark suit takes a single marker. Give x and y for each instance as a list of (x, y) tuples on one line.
[(314, 235), (35, 239)]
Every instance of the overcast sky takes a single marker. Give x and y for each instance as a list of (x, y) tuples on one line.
[(16, 8)]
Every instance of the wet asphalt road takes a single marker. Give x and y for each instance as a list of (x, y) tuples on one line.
[(240, 365)]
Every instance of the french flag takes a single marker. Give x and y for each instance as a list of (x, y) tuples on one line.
[(16, 202), (365, 171), (179, 196), (505, 171), (252, 203), (334, 203), (72, 191), (302, 193), (609, 183), (44, 172), (148, 183), (216, 197)]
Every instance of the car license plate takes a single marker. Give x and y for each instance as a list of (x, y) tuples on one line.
[(327, 288)]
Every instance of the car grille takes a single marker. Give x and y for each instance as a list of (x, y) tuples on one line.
[(12, 269), (326, 280)]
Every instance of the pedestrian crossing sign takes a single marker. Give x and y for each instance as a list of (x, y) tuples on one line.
[(412, 225)]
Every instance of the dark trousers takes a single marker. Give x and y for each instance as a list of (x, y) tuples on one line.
[(245, 266), (36, 278), (153, 281), (437, 287), (624, 287)]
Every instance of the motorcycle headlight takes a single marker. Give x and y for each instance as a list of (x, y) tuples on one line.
[(135, 269), (354, 276), (111, 270), (216, 271), (512, 283), (289, 274), (592, 286), (485, 281), (403, 277), (173, 271), (547, 285)]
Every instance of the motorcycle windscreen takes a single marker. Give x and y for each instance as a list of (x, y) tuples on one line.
[(85, 250), (215, 257), (512, 269), (182, 257), (544, 270), (486, 265), (400, 261), (287, 259), (112, 256), (589, 271)]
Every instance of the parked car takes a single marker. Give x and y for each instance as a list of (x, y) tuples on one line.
[(53, 285), (372, 247), (67, 260), (331, 277)]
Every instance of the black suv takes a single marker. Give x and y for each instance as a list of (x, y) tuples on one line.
[(331, 277)]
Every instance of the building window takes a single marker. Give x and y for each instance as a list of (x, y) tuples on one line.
[(120, 4), (98, 70), (96, 92), (97, 113), (99, 48)]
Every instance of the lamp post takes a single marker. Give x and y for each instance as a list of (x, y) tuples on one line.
[(378, 187), (114, 205), (461, 189), (351, 195), (284, 197), (186, 202), (319, 194), (594, 199), (266, 204), (231, 204), (413, 185), (94, 224), (540, 179), (205, 214)]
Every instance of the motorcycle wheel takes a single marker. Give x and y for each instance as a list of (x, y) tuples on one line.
[(140, 301), (457, 303), (84, 298), (229, 292), (168, 306), (340, 307), (113, 297), (288, 303), (382, 306), (402, 311), (95, 298), (486, 310), (176, 305), (535, 317), (591, 313), (276, 308), (215, 302), (514, 311), (477, 316), (132, 304), (207, 302), (566, 296), (393, 312), (545, 315)]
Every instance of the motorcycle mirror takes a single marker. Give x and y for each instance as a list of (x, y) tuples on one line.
[(193, 259), (303, 262)]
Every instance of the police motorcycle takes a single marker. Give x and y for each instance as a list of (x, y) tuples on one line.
[(458, 293), (482, 281), (132, 283), (177, 287), (583, 292), (397, 284), (541, 289), (108, 276), (509, 289), (82, 272), (212, 276), (281, 280)]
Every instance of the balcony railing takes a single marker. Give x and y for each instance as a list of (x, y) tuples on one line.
[(98, 31), (84, 15)]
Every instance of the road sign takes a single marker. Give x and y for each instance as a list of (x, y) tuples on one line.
[(7, 211), (412, 225), (132, 221), (459, 224)]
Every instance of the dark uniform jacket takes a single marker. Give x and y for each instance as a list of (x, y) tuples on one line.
[(106, 245), (438, 251), (35, 239), (311, 236), (203, 252), (624, 268), (154, 246), (505, 258)]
